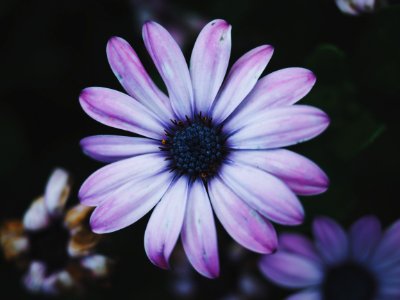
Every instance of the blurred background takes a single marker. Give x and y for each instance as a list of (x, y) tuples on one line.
[(51, 50)]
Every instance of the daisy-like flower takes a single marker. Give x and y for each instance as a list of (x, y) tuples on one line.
[(356, 7), (54, 246), (213, 144), (362, 264)]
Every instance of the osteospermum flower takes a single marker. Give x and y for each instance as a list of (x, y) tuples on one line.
[(213, 144), (239, 284), (54, 246), (356, 7), (363, 264)]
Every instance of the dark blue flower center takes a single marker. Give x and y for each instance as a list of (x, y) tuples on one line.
[(50, 246), (195, 147), (349, 281)]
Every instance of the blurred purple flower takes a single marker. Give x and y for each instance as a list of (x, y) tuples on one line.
[(208, 143), (356, 7), (181, 24), (237, 283), (359, 265), (54, 245)]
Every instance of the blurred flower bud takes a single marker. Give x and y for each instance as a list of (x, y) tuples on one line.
[(357, 7)]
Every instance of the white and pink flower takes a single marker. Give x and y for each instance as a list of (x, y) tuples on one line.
[(54, 246), (212, 144)]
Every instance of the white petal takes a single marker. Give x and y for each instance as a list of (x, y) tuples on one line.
[(264, 192), (241, 221), (279, 127), (299, 173), (119, 173), (171, 65), (57, 191), (118, 110), (280, 88), (165, 223), (111, 148), (127, 204), (199, 236), (97, 264), (37, 216), (209, 62), (129, 70), (240, 81)]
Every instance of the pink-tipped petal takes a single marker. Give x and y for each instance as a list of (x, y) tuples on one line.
[(264, 192), (280, 127), (199, 236), (331, 240), (290, 270), (299, 245), (309, 294), (387, 253), (364, 236), (241, 221), (115, 175), (111, 148), (57, 191), (171, 65), (280, 88), (130, 72), (165, 223), (129, 203), (299, 173), (209, 62), (240, 81), (118, 110)]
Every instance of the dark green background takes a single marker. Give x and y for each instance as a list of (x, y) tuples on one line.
[(50, 50)]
